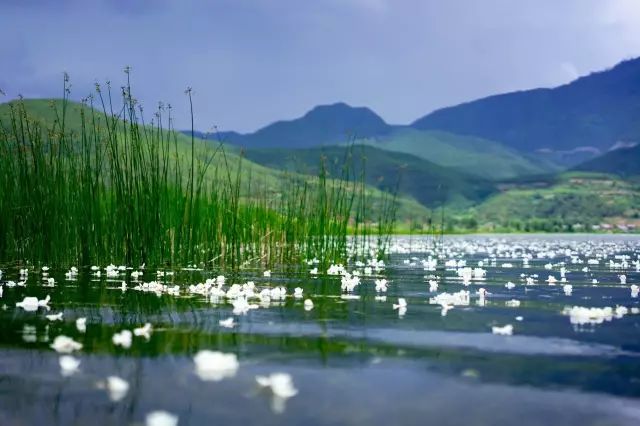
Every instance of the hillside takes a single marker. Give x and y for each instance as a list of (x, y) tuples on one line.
[(468, 154), (568, 202), (623, 162), (430, 184), (587, 116), (44, 111)]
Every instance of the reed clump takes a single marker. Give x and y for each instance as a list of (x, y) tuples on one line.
[(104, 185)]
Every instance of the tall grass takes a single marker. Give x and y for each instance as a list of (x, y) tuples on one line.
[(115, 188)]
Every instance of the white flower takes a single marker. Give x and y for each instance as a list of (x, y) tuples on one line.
[(31, 304), (266, 274), (513, 303), (65, 345), (123, 339), (308, 305), (68, 365), (81, 324), (215, 366), (161, 418), (381, 285), (281, 386), (55, 317), (227, 323), (402, 303), (567, 288), (144, 331), (297, 293), (117, 388), (506, 330)]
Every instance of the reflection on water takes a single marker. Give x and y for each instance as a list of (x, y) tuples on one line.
[(352, 360)]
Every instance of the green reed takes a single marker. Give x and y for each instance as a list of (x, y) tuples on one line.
[(111, 187)]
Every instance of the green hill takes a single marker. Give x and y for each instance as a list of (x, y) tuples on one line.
[(568, 202), (593, 113), (623, 162), (468, 154), (430, 184)]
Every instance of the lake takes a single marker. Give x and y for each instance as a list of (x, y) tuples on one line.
[(496, 330)]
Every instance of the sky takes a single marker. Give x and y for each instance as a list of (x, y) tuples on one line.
[(252, 62)]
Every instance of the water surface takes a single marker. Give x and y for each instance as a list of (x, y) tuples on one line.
[(353, 360)]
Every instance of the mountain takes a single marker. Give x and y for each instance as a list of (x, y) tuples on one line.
[(430, 184), (469, 154), (623, 162), (325, 124), (341, 124), (591, 114)]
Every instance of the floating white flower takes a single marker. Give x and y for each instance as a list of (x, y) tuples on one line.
[(144, 331), (266, 274), (161, 418), (297, 293), (117, 388), (579, 315), (634, 290), (65, 345), (227, 323), (510, 285), (281, 387), (55, 317), (215, 366), (81, 324), (381, 285), (506, 330), (68, 365), (123, 339), (31, 304), (308, 305), (567, 288), (513, 303)]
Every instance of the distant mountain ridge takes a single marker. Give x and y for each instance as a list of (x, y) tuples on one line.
[(596, 111), (624, 162), (323, 124)]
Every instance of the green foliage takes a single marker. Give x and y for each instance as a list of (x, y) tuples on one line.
[(575, 202)]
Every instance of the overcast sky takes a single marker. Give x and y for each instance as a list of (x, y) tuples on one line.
[(255, 61)]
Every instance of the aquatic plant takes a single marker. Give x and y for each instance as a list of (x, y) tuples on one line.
[(98, 182)]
